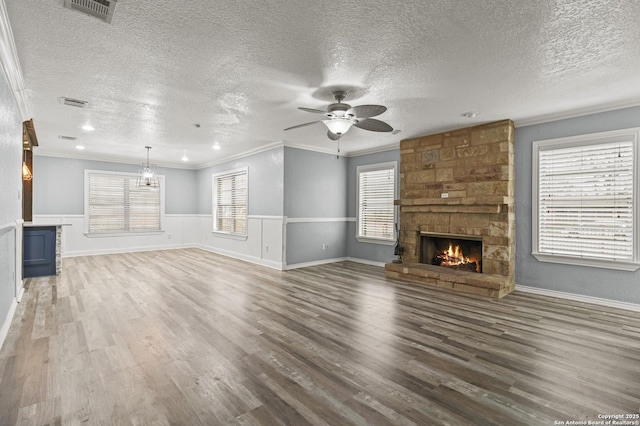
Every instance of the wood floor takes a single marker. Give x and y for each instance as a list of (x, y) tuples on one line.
[(187, 337)]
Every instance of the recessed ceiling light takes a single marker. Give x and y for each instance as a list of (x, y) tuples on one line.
[(80, 147), (88, 127), (216, 146), (185, 158), (470, 114)]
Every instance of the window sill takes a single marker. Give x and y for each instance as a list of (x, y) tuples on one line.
[(122, 234), (230, 236), (594, 263), (381, 241)]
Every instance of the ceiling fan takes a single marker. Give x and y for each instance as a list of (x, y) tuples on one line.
[(340, 117)]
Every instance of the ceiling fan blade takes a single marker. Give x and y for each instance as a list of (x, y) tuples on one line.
[(315, 111), (333, 136), (302, 125), (373, 125), (366, 111)]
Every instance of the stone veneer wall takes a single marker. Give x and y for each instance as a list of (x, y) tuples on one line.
[(473, 168)]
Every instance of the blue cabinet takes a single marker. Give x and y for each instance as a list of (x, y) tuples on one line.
[(39, 257)]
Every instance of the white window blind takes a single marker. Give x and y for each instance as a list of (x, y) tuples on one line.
[(115, 204), (376, 193), (586, 200), (230, 202)]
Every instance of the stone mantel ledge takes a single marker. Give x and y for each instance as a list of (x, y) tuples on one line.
[(453, 208), (496, 200)]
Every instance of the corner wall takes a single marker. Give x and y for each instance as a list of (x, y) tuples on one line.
[(315, 207), (264, 242)]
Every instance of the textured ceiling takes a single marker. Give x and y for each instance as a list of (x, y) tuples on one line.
[(241, 69)]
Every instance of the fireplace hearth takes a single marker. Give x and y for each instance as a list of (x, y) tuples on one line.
[(460, 252)]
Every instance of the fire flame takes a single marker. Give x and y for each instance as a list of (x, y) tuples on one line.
[(454, 257)]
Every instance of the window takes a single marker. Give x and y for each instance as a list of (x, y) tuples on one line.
[(376, 211), (230, 202), (585, 200), (114, 204)]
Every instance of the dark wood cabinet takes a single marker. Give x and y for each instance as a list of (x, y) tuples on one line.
[(39, 251)]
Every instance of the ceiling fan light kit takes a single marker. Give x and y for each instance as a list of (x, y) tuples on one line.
[(341, 117), (338, 126)]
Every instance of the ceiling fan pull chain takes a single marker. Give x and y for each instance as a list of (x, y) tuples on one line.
[(338, 154)]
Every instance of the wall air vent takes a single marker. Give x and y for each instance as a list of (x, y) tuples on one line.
[(101, 9), (73, 102), (67, 138)]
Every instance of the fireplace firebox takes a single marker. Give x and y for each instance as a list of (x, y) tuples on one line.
[(460, 252)]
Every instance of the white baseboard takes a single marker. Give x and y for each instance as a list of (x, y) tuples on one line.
[(78, 253), (314, 263), (240, 256), (7, 322), (334, 260), (579, 298), (367, 262), (21, 293)]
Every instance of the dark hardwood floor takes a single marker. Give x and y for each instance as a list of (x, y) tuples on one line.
[(191, 338)]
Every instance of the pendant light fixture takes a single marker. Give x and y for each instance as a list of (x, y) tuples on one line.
[(148, 174), (26, 173)]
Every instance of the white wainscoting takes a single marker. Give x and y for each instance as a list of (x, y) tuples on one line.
[(263, 245), (179, 232), (11, 282)]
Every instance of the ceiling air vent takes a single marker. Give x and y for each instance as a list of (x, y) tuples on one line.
[(101, 9), (73, 102), (67, 138)]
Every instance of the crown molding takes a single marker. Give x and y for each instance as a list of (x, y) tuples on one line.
[(40, 152), (383, 148), (322, 150), (248, 153), (575, 113), (11, 64), (333, 151)]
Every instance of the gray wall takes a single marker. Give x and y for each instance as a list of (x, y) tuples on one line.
[(356, 249), (314, 187), (58, 185), (265, 182), (588, 281), (10, 191), (314, 184)]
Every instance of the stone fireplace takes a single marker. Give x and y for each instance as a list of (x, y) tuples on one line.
[(458, 186)]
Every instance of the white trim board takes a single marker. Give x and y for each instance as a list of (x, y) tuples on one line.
[(240, 256), (334, 260), (314, 263), (99, 252), (318, 219), (367, 262), (10, 64), (579, 298), (4, 331)]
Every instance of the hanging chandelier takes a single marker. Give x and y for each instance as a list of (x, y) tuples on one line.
[(148, 174)]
